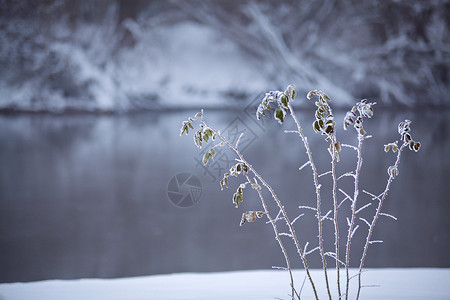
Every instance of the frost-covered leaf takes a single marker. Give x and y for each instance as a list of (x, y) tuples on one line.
[(393, 171), (316, 126), (392, 146), (250, 216), (403, 127), (280, 114), (185, 127), (256, 186), (284, 100), (206, 158), (290, 91), (198, 140), (238, 196)]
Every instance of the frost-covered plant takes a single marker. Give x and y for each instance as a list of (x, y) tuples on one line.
[(324, 123)]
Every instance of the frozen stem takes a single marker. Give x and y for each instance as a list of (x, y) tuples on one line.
[(277, 201), (317, 187), (375, 218)]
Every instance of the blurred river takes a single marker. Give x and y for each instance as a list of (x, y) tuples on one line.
[(85, 195)]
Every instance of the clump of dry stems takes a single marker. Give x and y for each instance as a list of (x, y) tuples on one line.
[(324, 124)]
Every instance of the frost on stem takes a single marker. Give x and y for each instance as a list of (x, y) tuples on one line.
[(250, 216), (279, 101), (324, 122), (404, 130), (365, 110)]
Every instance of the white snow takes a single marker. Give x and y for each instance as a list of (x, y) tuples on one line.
[(261, 284)]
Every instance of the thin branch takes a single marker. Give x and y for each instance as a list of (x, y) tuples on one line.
[(333, 255), (301, 288), (277, 235), (238, 140), (276, 220), (375, 241), (335, 218), (280, 206), (291, 131), (286, 234), (346, 195), (307, 207), (348, 174), (306, 246), (388, 215), (374, 197), (351, 231), (350, 146), (354, 230), (326, 215), (323, 174), (365, 221), (370, 285), (312, 250), (279, 268), (318, 198), (304, 165), (360, 272), (346, 198), (296, 218), (365, 206), (377, 213)]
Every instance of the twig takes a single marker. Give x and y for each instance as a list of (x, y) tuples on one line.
[(349, 146), (346, 175), (388, 215), (307, 207), (291, 131), (377, 213), (323, 174), (277, 235), (277, 201), (361, 208), (238, 140), (304, 165), (296, 218), (352, 222), (317, 187)]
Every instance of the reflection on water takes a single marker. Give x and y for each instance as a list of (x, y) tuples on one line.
[(86, 195)]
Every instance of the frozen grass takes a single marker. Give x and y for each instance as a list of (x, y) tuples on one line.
[(267, 284)]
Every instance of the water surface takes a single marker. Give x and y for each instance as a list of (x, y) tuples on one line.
[(86, 195)]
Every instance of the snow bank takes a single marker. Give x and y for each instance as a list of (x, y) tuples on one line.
[(261, 284)]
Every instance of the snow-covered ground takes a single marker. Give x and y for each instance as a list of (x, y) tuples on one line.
[(260, 284)]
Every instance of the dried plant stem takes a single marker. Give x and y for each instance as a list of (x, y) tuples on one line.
[(377, 214), (335, 219), (317, 187), (277, 237), (352, 221), (277, 201)]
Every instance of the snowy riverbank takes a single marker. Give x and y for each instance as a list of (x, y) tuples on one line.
[(260, 284)]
